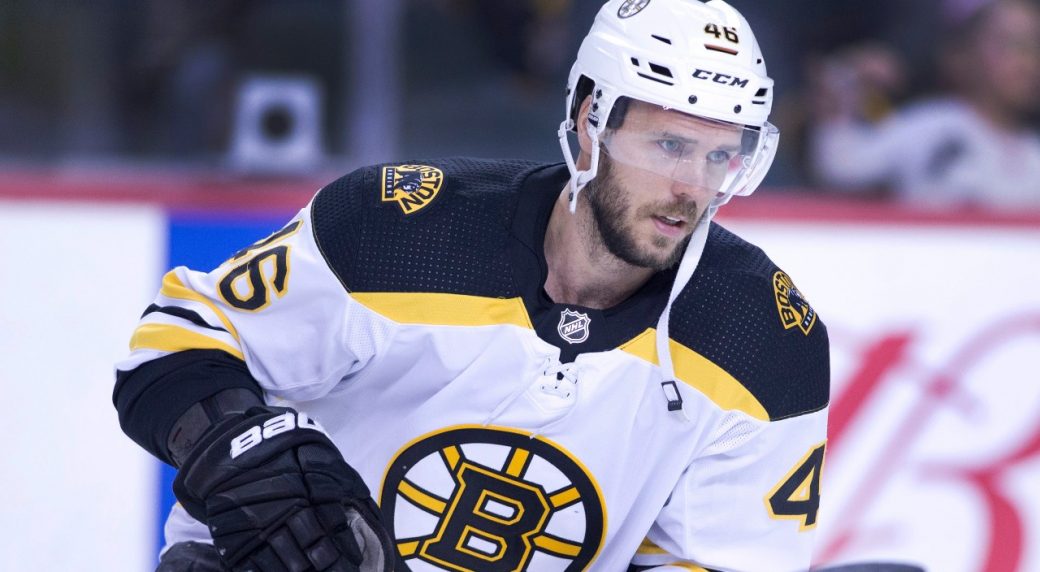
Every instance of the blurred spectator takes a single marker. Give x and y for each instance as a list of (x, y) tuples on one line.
[(179, 77), (974, 145), (529, 37), (802, 33), (185, 60)]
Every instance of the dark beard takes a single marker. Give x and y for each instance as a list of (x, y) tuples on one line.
[(610, 205)]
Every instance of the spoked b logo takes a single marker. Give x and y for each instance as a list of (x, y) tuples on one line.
[(491, 499)]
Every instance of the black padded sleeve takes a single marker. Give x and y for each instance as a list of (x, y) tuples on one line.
[(152, 397)]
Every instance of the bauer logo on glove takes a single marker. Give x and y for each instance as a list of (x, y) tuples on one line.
[(271, 428)]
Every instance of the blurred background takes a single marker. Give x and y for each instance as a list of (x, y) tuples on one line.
[(209, 85), (905, 200)]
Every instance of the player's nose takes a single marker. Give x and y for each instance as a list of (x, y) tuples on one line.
[(687, 188)]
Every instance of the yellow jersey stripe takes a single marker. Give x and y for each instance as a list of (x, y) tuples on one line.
[(558, 547), (172, 287), (167, 338), (700, 373), (445, 309), (421, 498)]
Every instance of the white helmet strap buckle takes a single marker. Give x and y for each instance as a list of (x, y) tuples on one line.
[(578, 178)]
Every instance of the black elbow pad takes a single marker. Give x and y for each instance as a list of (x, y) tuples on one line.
[(167, 404)]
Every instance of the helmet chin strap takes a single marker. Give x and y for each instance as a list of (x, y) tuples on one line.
[(578, 178), (687, 266), (691, 258)]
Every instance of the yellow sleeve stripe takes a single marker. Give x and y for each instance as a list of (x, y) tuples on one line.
[(648, 547), (172, 287), (167, 338), (687, 566), (445, 309), (700, 373)]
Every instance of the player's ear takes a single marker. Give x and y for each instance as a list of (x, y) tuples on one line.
[(584, 140)]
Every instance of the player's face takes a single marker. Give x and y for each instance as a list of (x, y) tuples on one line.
[(657, 175)]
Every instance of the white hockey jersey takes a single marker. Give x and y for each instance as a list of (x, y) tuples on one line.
[(403, 309)]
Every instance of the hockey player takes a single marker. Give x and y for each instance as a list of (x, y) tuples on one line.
[(496, 365)]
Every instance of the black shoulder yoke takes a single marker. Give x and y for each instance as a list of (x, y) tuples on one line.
[(745, 315), (437, 226)]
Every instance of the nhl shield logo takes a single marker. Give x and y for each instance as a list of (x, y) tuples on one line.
[(574, 326), (412, 187)]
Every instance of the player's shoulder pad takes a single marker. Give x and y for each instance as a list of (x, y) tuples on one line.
[(421, 226), (744, 314)]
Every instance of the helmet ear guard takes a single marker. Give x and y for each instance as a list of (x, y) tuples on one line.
[(576, 98), (576, 95)]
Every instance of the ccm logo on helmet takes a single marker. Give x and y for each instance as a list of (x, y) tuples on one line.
[(724, 79), (271, 428)]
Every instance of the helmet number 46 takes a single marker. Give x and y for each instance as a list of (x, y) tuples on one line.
[(728, 32)]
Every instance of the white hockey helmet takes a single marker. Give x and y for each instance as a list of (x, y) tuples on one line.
[(697, 57)]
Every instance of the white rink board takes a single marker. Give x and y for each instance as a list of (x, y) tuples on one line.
[(78, 494), (937, 463)]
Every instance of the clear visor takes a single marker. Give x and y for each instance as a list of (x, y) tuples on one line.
[(713, 156)]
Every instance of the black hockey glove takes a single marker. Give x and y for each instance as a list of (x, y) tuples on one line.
[(277, 495)]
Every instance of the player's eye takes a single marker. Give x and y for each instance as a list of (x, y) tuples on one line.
[(719, 157), (671, 146)]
